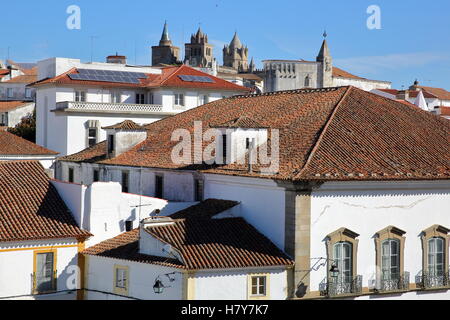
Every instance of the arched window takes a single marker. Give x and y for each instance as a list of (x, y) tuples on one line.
[(436, 257), (307, 81), (390, 259), (343, 257)]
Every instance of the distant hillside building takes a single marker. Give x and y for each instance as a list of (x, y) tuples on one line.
[(199, 53), (165, 53), (282, 75)]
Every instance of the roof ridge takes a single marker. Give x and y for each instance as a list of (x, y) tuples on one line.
[(273, 93), (324, 130)]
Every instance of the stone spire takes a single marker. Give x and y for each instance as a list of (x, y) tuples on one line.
[(324, 51), (235, 42), (165, 40)]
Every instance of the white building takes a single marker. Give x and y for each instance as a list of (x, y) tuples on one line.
[(199, 253), (355, 175), (74, 100), (12, 112)]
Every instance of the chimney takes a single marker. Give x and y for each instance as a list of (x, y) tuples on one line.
[(116, 59), (403, 95), (251, 148)]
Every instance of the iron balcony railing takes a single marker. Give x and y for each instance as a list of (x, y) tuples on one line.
[(430, 280), (394, 282), (333, 287)]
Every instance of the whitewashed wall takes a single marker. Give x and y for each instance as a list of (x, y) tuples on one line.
[(367, 208), (16, 267), (46, 161), (142, 276), (363, 84), (233, 284)]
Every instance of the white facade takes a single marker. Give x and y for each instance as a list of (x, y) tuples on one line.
[(17, 271), (46, 160), (63, 122), (364, 84), (13, 117)]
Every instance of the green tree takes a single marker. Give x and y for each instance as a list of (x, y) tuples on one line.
[(26, 128)]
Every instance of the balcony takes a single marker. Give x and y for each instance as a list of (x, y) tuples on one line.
[(425, 280), (394, 282), (341, 286), (104, 107)]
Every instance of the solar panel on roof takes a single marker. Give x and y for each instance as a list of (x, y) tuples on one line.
[(189, 78), (108, 76)]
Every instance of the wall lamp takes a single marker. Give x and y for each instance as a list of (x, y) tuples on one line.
[(159, 286)]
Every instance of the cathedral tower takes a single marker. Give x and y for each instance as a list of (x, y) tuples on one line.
[(325, 74), (235, 55), (199, 53), (165, 53)]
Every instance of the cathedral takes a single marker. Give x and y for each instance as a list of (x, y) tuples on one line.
[(165, 53)]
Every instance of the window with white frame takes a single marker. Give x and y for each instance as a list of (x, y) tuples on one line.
[(80, 96), (436, 257), (390, 259), (121, 278), (92, 137), (203, 99), (151, 98), (179, 99), (9, 92), (342, 256), (258, 285)]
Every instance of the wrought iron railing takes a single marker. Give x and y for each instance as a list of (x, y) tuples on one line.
[(394, 282), (426, 280), (115, 107), (333, 287), (38, 286)]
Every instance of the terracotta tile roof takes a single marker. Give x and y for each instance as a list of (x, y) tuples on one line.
[(126, 125), (337, 72), (23, 79), (412, 93), (6, 106), (126, 247), (11, 144), (168, 78), (203, 243), (3, 73), (30, 206), (445, 111), (206, 209), (89, 155), (241, 122), (334, 134), (442, 94)]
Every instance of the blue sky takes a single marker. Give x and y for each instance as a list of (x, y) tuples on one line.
[(414, 41)]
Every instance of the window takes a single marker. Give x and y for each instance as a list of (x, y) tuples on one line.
[(44, 275), (390, 259), (307, 81), (116, 97), (159, 187), (70, 178), (121, 280), (436, 257), (342, 248), (203, 99), (151, 98), (224, 148), (128, 225), (259, 286), (80, 96), (179, 99), (96, 176), (92, 137), (9, 93), (125, 181), (140, 98), (28, 93), (110, 143), (198, 186), (3, 120), (342, 255)]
